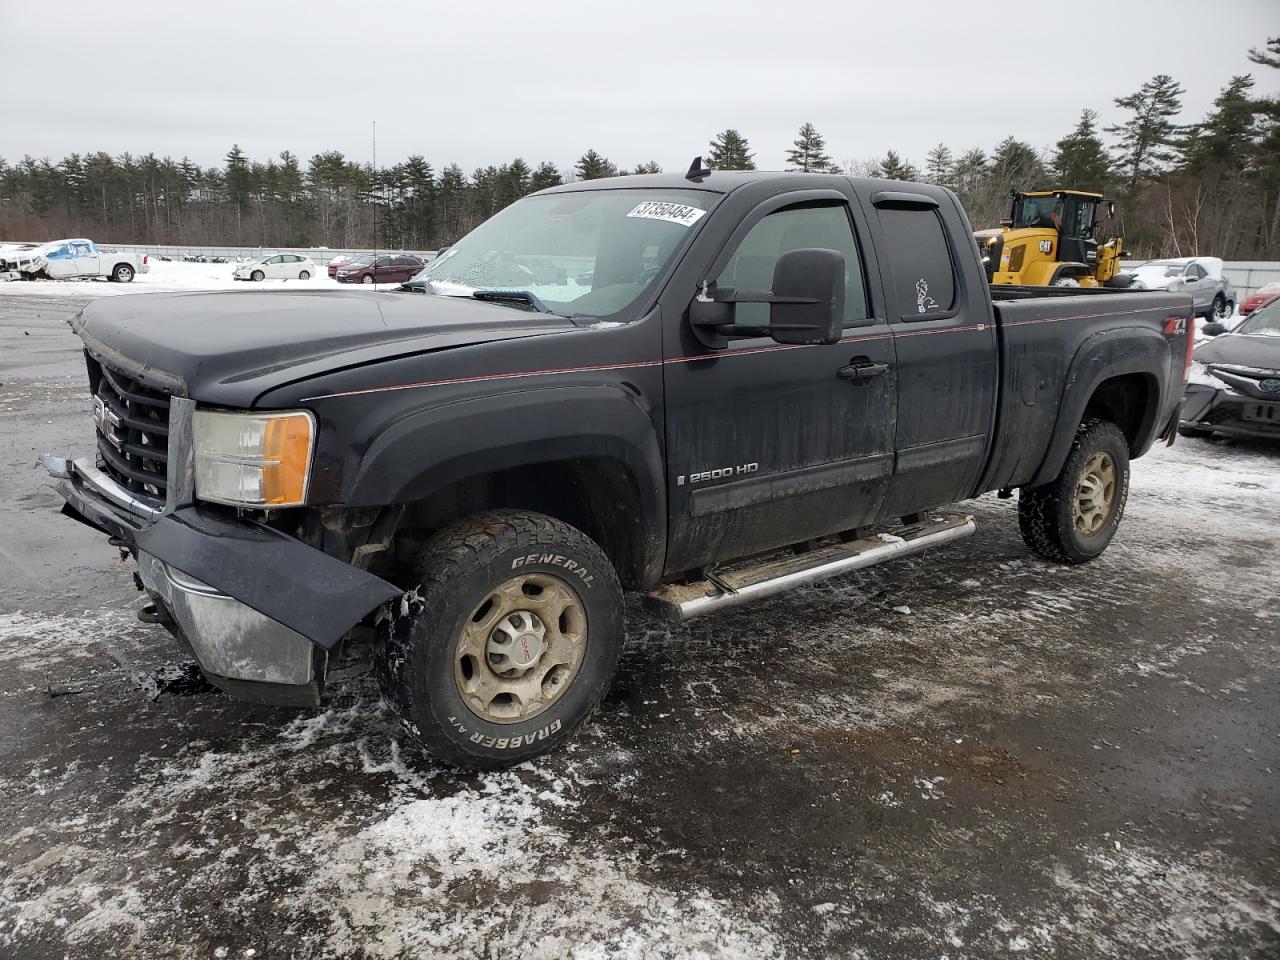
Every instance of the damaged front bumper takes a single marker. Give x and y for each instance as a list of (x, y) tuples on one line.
[(259, 610), (1223, 411)]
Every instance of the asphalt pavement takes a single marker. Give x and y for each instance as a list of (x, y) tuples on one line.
[(968, 754)]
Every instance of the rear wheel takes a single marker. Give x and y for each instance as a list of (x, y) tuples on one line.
[(123, 273), (1066, 282), (304, 275), (508, 644), (1073, 518)]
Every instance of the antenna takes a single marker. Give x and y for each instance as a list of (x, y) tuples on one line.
[(375, 202), (697, 170)]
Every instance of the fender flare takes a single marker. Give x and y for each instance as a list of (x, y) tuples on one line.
[(1069, 269), (429, 450), (1102, 356)]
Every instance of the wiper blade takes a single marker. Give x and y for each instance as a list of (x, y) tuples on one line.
[(523, 296)]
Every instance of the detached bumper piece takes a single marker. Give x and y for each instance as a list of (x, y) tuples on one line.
[(258, 609), (1230, 414)]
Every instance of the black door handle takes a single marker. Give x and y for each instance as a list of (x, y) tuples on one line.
[(862, 370)]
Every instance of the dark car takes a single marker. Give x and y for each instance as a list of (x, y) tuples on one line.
[(393, 268), (1240, 397)]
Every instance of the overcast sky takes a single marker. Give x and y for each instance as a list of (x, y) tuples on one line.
[(481, 83)]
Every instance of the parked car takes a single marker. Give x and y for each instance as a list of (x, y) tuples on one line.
[(1260, 297), (279, 266), (73, 259), (1241, 395), (338, 261), (392, 268), (709, 401), (1212, 293)]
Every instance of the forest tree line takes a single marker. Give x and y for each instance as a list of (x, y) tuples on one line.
[(1184, 187)]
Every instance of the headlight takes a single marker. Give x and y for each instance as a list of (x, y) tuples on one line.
[(253, 460)]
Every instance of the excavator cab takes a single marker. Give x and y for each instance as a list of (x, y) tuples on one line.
[(1050, 239)]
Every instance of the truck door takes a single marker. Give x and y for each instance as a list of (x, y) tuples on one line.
[(769, 444), (85, 254), (945, 343)]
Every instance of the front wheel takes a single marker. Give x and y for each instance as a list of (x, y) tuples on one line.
[(257, 276), (1073, 518), (368, 278), (508, 644), (1221, 308), (1066, 282)]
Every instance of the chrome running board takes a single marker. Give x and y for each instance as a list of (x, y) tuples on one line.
[(678, 602)]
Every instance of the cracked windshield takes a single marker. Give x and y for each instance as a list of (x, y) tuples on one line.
[(589, 254)]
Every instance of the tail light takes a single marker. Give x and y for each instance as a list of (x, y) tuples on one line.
[(1172, 327), (145, 259)]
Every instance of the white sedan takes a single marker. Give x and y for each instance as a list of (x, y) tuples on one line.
[(277, 266)]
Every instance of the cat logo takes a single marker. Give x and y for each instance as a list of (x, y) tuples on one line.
[(1046, 246)]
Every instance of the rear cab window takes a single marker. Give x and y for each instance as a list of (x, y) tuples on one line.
[(920, 262)]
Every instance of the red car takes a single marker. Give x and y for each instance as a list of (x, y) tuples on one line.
[(1260, 297), (395, 268)]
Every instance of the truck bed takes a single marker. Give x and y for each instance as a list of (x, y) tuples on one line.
[(1051, 339)]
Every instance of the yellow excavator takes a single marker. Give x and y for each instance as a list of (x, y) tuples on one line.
[(1050, 240)]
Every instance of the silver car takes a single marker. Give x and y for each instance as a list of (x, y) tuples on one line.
[(1214, 296)]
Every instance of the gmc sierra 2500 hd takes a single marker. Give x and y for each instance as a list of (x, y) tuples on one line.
[(655, 382)]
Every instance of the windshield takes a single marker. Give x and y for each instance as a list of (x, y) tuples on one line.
[(588, 254), (1265, 321), (1040, 212)]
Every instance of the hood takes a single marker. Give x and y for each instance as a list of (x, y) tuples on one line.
[(229, 348), (1260, 352)]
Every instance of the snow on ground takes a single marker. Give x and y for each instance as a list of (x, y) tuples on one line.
[(174, 277)]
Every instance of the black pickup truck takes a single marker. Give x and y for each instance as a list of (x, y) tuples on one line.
[(705, 388)]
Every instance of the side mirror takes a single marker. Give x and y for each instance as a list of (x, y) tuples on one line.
[(1213, 329), (808, 286), (806, 304)]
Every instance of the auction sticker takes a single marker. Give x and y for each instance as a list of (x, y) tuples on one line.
[(679, 213)]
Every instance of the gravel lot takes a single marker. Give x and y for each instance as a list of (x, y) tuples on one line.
[(1032, 761)]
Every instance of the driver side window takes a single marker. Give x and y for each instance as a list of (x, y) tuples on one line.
[(824, 226)]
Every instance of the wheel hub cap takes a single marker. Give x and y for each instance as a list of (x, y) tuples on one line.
[(521, 648), (1095, 494), (517, 643)]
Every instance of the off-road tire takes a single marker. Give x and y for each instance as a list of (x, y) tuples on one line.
[(122, 273), (458, 567), (1046, 517)]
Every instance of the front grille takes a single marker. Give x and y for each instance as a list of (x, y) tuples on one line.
[(132, 431)]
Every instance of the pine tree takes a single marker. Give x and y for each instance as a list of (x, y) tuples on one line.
[(1080, 160), (730, 151), (592, 166), (807, 154), (1149, 140), (893, 167), (1223, 139), (545, 176), (940, 166), (1015, 164), (651, 166)]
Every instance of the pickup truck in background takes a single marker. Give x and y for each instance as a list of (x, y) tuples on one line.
[(70, 260), (706, 389)]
